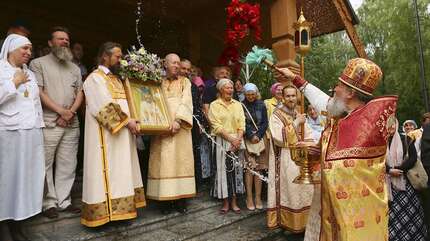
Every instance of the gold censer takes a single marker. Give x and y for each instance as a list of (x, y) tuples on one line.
[(300, 155)]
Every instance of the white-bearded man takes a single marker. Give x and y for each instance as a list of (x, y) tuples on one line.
[(354, 203)]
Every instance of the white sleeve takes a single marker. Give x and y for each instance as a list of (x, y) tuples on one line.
[(277, 128), (7, 90), (97, 95), (316, 97)]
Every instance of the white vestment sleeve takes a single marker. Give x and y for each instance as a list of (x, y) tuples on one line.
[(96, 93), (7, 90), (276, 128), (316, 97)]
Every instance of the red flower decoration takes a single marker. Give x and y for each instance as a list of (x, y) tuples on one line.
[(242, 18)]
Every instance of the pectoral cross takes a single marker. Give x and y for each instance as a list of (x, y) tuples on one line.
[(26, 93)]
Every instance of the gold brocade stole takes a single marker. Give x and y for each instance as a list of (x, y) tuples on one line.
[(289, 134), (325, 137), (114, 85)]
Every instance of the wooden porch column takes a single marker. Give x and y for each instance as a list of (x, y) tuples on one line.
[(283, 14)]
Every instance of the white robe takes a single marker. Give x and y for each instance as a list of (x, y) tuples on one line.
[(22, 160), (288, 203), (112, 183)]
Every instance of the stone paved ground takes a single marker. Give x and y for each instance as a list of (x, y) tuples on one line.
[(203, 222)]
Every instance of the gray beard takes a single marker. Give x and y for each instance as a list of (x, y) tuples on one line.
[(62, 53), (336, 107)]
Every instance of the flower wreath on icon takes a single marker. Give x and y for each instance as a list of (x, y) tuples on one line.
[(142, 73)]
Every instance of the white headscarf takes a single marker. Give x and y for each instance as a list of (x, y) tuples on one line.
[(223, 82), (250, 87), (395, 159), (12, 42)]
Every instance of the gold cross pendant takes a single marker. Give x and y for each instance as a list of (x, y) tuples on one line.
[(26, 93)]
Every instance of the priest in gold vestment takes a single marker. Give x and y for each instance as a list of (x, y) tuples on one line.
[(354, 201), (171, 162), (288, 203), (112, 185)]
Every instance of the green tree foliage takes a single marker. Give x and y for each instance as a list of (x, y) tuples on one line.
[(261, 76), (388, 30), (328, 57)]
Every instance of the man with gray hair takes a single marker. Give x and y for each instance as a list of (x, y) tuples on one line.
[(171, 165), (60, 86)]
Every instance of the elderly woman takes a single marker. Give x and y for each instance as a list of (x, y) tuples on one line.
[(256, 154), (406, 215), (276, 99), (228, 124), (22, 163)]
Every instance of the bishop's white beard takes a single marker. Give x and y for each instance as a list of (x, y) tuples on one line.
[(62, 53), (336, 107)]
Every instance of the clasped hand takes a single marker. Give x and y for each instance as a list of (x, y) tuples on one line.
[(235, 143), (66, 117)]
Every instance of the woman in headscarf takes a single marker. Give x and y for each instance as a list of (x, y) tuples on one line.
[(228, 125), (22, 162), (406, 221), (256, 153), (276, 100)]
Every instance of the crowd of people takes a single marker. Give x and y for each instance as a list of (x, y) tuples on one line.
[(223, 138)]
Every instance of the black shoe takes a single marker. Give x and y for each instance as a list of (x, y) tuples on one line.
[(50, 213), (182, 210), (181, 206), (165, 207)]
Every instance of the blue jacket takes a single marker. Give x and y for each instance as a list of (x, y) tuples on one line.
[(258, 111)]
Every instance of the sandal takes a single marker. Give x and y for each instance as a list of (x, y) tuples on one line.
[(223, 211), (259, 205), (236, 211), (250, 208)]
